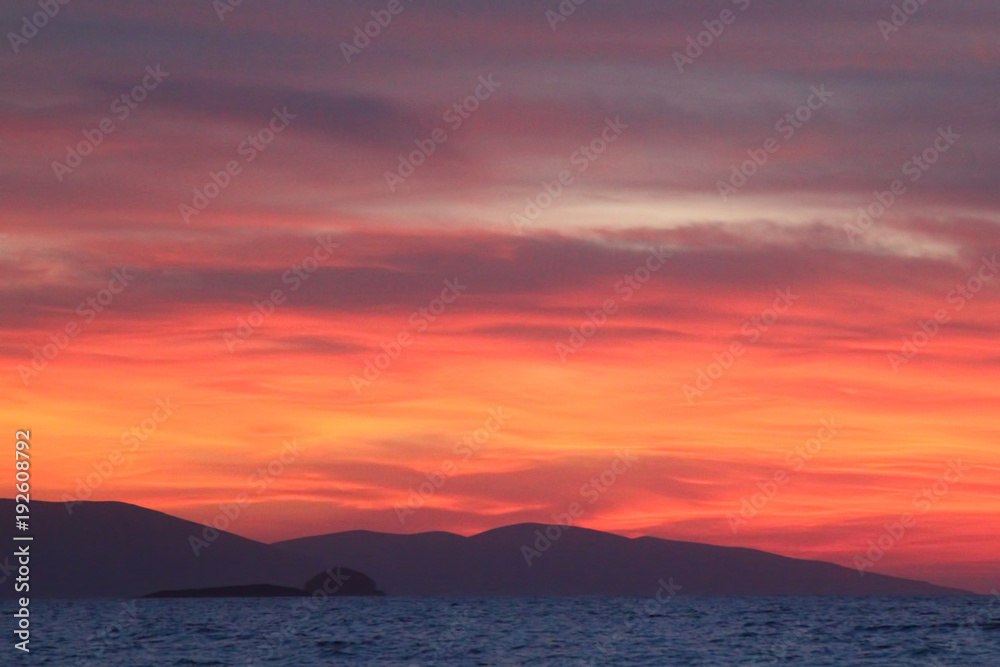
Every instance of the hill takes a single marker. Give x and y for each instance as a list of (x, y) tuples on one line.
[(523, 560), (111, 549)]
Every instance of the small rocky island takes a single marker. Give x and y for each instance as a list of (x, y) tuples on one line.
[(334, 582)]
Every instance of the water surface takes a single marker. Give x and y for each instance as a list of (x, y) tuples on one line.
[(682, 631)]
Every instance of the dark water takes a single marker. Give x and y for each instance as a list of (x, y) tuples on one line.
[(515, 631)]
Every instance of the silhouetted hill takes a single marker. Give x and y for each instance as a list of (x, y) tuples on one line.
[(585, 562), (111, 549), (342, 581), (335, 582)]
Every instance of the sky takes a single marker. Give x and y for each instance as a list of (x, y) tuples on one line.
[(714, 271)]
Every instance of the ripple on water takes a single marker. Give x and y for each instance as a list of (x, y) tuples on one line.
[(684, 632)]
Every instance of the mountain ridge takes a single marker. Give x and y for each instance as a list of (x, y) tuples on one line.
[(584, 561), (116, 549)]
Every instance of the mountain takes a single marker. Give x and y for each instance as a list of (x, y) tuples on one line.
[(580, 561), (110, 549)]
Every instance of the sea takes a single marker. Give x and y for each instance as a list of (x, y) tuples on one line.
[(680, 630)]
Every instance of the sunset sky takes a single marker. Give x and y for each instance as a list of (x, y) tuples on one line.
[(571, 267)]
